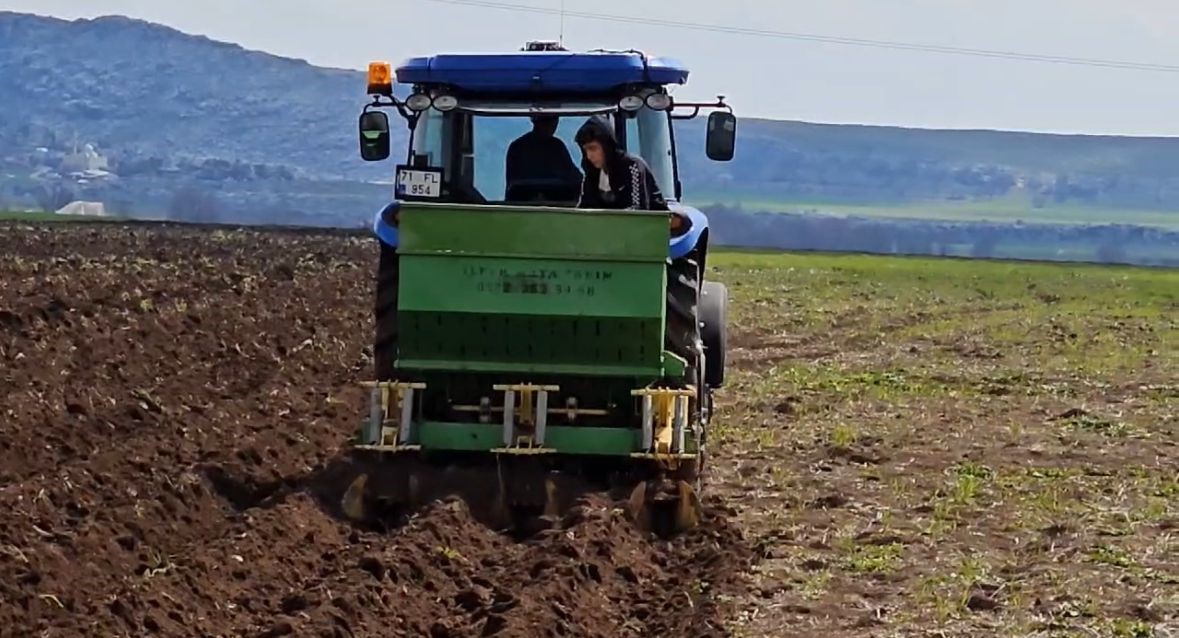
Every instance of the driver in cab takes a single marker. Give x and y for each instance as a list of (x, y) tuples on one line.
[(539, 165)]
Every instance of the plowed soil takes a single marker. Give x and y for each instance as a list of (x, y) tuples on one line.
[(172, 402), (905, 447)]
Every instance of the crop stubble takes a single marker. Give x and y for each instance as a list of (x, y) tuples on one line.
[(923, 447)]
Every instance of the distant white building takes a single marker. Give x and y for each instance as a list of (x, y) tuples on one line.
[(84, 160), (83, 209)]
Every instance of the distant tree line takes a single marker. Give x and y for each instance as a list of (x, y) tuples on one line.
[(855, 175), (733, 226)]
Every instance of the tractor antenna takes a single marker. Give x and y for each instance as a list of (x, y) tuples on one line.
[(561, 35)]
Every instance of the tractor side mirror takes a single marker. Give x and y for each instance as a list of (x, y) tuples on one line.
[(722, 136), (374, 136)]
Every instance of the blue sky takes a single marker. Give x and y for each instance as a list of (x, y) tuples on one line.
[(766, 77)]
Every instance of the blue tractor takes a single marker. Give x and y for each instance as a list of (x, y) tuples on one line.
[(515, 328)]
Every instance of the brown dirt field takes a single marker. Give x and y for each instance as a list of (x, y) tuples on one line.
[(905, 448), (173, 402)]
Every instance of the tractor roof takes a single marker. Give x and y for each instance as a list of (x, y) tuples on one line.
[(542, 71)]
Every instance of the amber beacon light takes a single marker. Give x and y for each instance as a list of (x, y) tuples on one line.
[(380, 78)]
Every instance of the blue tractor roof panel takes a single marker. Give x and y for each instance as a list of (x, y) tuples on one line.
[(541, 71)]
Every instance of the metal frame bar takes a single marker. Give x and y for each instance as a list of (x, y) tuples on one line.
[(567, 412), (696, 106), (509, 417), (648, 440), (542, 415)]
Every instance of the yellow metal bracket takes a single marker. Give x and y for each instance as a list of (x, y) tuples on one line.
[(525, 416), (391, 415), (665, 418)]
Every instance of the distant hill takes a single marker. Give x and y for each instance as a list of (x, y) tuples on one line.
[(129, 85), (164, 105), (793, 161)]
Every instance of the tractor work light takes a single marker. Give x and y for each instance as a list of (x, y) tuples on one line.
[(380, 78), (445, 103), (418, 102), (630, 103), (659, 102)]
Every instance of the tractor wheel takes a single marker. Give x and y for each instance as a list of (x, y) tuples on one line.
[(671, 503), (385, 345), (683, 313), (714, 309)]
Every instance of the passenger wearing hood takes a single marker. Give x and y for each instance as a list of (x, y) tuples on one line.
[(614, 178)]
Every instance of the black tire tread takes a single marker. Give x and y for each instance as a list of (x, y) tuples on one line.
[(385, 314), (713, 314), (683, 308)]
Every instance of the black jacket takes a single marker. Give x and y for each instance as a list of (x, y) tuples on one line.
[(632, 186), (536, 156)]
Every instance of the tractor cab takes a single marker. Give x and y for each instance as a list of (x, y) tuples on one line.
[(464, 112)]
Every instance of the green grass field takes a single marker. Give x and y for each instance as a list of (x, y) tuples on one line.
[(1010, 210), (951, 447), (13, 216)]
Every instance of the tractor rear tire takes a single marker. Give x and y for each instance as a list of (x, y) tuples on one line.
[(714, 310), (385, 313), (683, 314)]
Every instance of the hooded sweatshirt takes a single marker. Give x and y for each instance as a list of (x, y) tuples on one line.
[(626, 182)]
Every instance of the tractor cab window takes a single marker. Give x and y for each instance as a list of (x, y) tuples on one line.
[(513, 158), (501, 153), (648, 135), (522, 159)]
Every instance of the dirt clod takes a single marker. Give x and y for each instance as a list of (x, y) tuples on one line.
[(982, 601)]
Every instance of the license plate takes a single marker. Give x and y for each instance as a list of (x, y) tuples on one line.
[(416, 183)]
